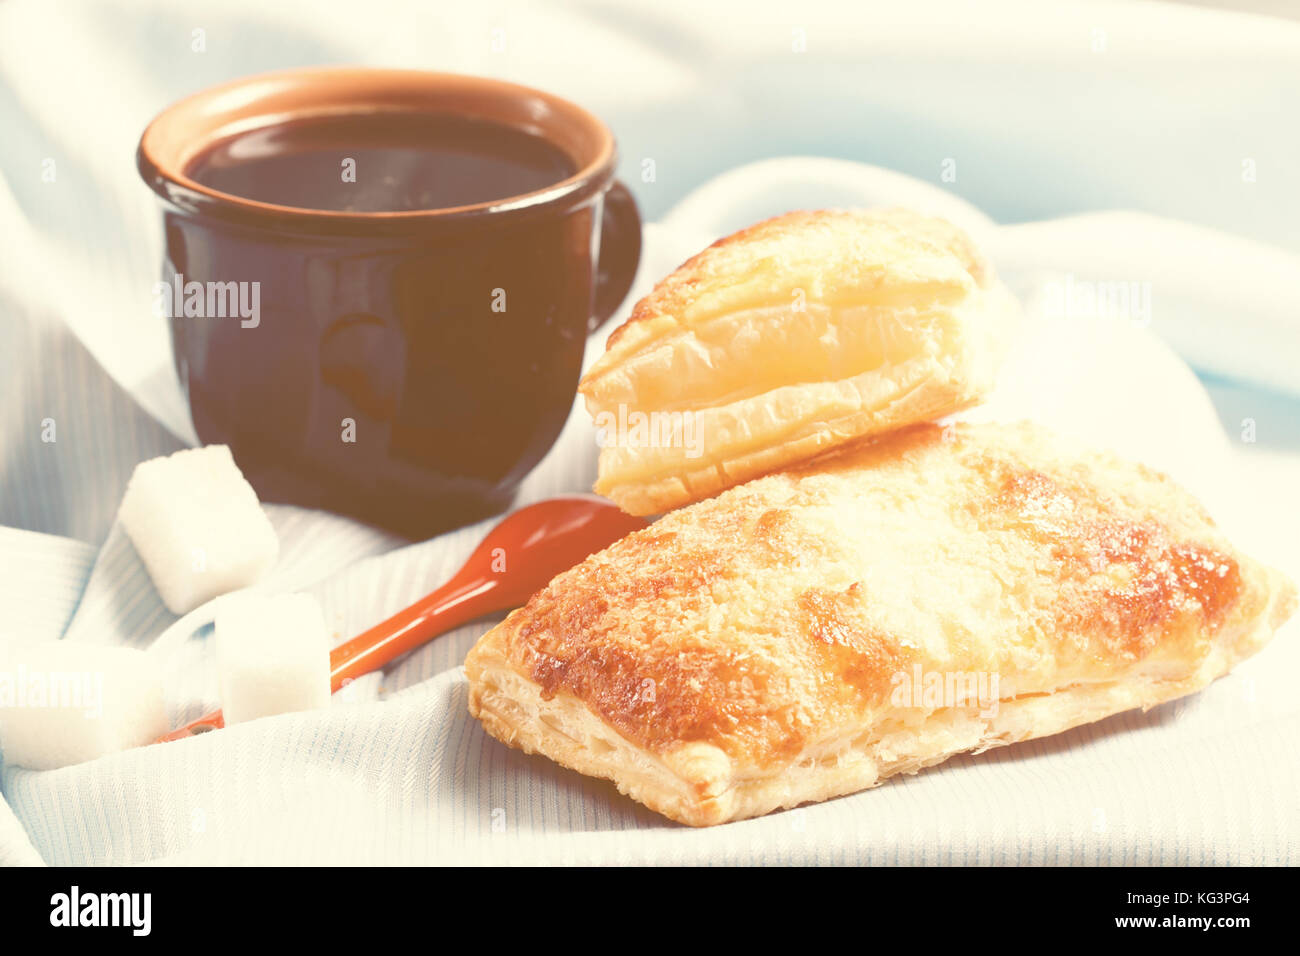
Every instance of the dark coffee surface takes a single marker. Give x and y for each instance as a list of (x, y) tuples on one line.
[(402, 161)]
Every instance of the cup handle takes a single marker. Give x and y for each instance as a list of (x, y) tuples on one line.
[(620, 253)]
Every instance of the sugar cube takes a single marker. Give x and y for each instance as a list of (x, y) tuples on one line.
[(273, 655), (64, 702), (197, 526)]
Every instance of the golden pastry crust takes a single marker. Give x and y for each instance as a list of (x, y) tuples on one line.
[(788, 338), (748, 652)]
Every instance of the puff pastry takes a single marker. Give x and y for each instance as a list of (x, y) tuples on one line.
[(755, 650), (787, 339)]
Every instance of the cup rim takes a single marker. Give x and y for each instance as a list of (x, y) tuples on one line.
[(230, 108)]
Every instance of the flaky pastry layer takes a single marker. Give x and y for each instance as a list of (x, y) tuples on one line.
[(790, 338), (752, 651)]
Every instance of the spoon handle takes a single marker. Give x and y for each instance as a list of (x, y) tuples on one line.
[(544, 539), (457, 602)]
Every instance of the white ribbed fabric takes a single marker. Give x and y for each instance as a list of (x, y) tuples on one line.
[(395, 771), (400, 773)]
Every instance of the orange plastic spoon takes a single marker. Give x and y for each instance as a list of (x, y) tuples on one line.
[(516, 559)]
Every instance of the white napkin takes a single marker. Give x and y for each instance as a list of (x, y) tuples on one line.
[(394, 770)]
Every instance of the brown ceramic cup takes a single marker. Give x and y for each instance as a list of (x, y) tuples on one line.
[(378, 380)]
